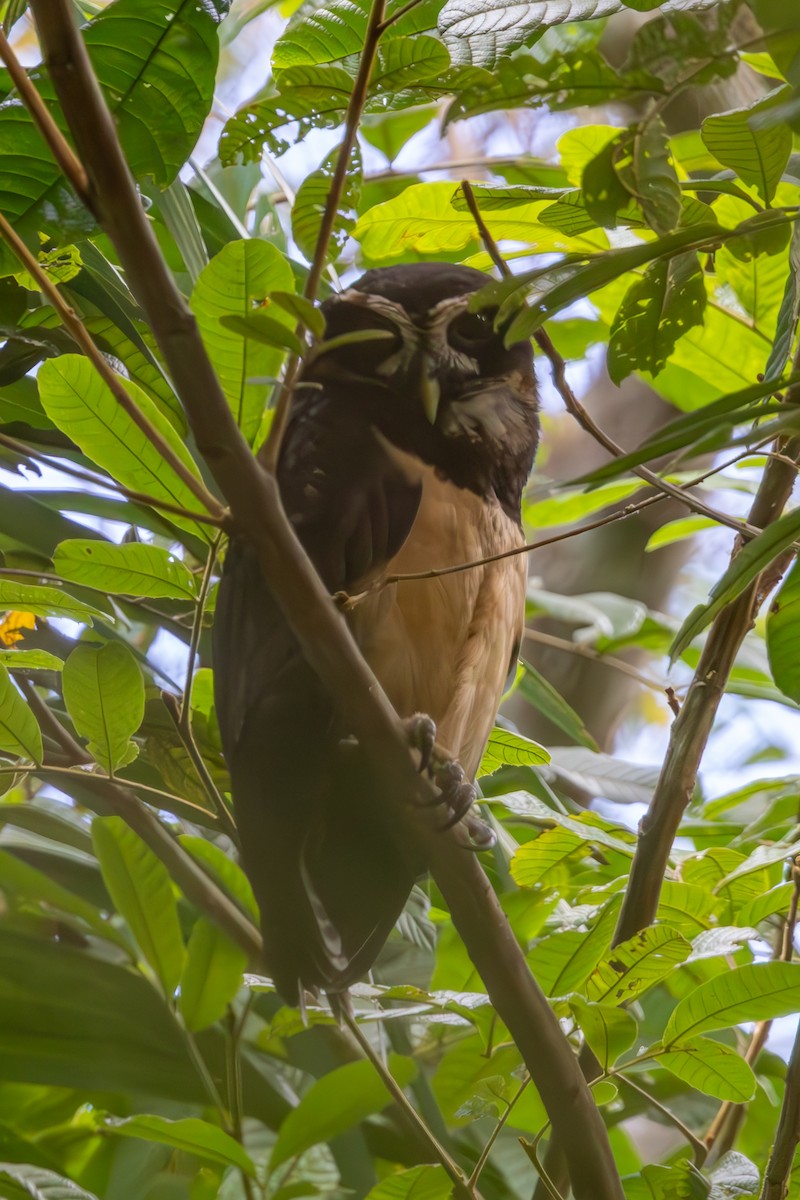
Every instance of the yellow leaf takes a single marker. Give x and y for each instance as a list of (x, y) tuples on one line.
[(13, 625)]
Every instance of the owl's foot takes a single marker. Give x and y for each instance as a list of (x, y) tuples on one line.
[(455, 792)]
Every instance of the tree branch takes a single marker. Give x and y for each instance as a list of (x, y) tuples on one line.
[(323, 635), (195, 884), (692, 727)]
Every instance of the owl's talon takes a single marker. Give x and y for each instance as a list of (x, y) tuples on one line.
[(421, 735)]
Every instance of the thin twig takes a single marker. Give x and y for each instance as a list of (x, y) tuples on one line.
[(787, 1135), (607, 660), (398, 16), (697, 1144), (573, 405), (494, 1135), (463, 1186), (109, 484), (184, 731), (109, 377), (358, 96), (197, 627)]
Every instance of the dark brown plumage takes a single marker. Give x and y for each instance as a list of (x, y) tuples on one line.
[(401, 454)]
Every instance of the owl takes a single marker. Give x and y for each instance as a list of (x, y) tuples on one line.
[(407, 449)]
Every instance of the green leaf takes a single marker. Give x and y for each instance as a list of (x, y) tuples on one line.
[(21, 878), (223, 870), (131, 569), (551, 288), (211, 976), (19, 732), (648, 173), (309, 206), (658, 309), (609, 1031), (756, 992), (104, 694), (420, 1183), (758, 154), (335, 1103), (602, 191), (326, 35), (505, 748), (264, 329), (786, 321), (78, 402), (389, 132), (405, 62), (25, 1182), (45, 602), (635, 965), (140, 886), (188, 1134), (301, 310), (157, 61), (712, 1068), (745, 567), (783, 635), (544, 697), (237, 282), (315, 97), (678, 531), (30, 660)]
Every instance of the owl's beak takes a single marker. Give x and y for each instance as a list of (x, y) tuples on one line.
[(430, 390)]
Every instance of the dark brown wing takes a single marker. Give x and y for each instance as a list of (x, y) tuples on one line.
[(329, 883)]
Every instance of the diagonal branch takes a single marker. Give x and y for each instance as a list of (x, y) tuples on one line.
[(573, 404), (109, 377), (329, 648)]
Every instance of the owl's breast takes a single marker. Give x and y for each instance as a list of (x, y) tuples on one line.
[(444, 645)]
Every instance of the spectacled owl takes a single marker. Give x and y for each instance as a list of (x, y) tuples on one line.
[(403, 452)]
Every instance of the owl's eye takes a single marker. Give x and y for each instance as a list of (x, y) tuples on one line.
[(470, 331)]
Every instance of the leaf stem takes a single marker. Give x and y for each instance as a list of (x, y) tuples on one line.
[(184, 731), (358, 97), (463, 1186), (111, 485), (698, 1145), (494, 1135)]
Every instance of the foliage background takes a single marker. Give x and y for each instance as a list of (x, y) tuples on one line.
[(136, 1056)]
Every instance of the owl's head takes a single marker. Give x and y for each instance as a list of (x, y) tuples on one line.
[(440, 382)]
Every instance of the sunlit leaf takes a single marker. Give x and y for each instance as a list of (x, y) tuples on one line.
[(79, 403), (757, 153), (505, 748), (712, 1068), (755, 992), (635, 965), (104, 695), (237, 282), (133, 569)]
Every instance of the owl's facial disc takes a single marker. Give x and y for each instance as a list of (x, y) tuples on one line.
[(437, 351)]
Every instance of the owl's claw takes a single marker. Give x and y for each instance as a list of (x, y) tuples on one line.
[(455, 791), (421, 735)]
